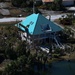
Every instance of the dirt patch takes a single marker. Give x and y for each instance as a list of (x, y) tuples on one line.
[(9, 23), (15, 12), (5, 5), (8, 10), (70, 56)]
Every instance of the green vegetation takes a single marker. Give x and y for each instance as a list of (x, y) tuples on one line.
[(68, 23), (22, 59), (22, 3), (69, 19), (67, 35), (56, 6)]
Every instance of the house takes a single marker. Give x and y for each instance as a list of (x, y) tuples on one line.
[(68, 2), (64, 2), (37, 27), (47, 1)]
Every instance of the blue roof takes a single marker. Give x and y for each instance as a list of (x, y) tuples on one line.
[(37, 23)]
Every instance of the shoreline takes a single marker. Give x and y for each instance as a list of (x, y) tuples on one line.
[(70, 56)]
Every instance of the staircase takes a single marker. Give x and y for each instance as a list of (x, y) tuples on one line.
[(58, 43)]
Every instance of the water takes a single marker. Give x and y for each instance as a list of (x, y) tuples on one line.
[(62, 68)]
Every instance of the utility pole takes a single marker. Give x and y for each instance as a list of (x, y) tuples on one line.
[(34, 6), (74, 2)]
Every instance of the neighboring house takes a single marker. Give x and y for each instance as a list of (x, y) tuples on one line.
[(37, 27), (47, 1), (68, 2), (64, 2)]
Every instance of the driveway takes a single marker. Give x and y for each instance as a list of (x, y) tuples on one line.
[(11, 19)]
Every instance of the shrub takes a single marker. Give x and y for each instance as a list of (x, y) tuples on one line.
[(2, 57)]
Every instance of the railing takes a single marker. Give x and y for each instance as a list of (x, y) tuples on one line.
[(43, 36)]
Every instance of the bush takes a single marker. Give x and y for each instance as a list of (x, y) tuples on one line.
[(66, 21), (57, 50), (2, 57), (0, 72), (10, 54), (17, 3), (37, 11), (71, 40)]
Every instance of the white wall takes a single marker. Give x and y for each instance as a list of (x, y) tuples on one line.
[(23, 35)]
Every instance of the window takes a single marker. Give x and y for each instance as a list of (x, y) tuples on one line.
[(46, 27)]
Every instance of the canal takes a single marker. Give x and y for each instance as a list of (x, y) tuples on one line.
[(62, 68)]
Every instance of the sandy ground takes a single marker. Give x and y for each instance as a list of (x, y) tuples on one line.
[(70, 56)]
